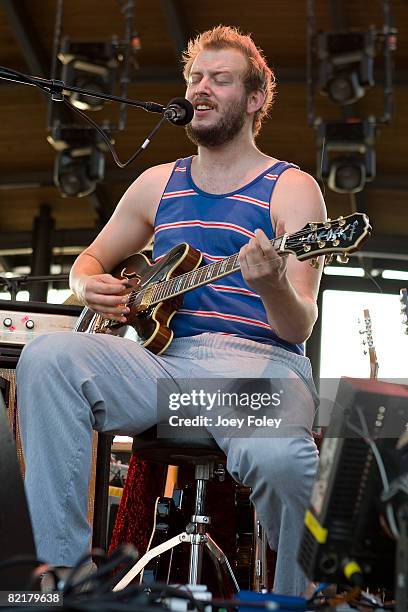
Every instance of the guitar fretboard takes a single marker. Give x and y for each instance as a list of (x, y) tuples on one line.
[(195, 278)]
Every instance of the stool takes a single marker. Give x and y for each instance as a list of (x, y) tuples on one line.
[(209, 461)]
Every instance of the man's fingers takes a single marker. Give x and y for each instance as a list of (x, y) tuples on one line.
[(264, 242), (108, 301), (108, 288)]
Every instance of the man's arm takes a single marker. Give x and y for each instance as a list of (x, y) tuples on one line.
[(128, 231), (287, 286)]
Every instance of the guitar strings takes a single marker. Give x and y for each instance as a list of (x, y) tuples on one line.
[(131, 301)]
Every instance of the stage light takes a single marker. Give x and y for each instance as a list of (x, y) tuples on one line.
[(347, 174), (77, 171), (346, 64), (90, 66), (354, 165)]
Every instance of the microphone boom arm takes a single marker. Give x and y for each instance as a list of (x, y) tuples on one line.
[(56, 89)]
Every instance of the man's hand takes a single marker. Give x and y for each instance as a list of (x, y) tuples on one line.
[(106, 295), (261, 265)]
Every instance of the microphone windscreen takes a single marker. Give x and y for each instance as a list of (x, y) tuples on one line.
[(186, 106)]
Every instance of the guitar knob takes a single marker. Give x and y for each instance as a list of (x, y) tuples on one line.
[(343, 258), (7, 322)]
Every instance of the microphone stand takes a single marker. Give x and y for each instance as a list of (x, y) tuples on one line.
[(56, 88), (13, 283)]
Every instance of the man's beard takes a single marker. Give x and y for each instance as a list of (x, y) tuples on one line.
[(229, 125)]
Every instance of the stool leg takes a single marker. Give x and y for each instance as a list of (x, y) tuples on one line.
[(196, 560), (218, 554), (198, 524)]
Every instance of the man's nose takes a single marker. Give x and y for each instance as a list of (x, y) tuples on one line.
[(204, 86)]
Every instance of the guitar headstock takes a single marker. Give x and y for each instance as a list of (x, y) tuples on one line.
[(404, 308), (368, 342), (333, 237)]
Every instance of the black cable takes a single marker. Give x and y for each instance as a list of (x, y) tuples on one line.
[(21, 560), (108, 142), (95, 552), (125, 554)]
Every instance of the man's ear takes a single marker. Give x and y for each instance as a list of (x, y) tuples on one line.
[(255, 100)]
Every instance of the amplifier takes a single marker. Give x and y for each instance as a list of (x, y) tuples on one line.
[(20, 322)]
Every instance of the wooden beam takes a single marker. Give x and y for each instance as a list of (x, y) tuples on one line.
[(175, 26), (30, 47)]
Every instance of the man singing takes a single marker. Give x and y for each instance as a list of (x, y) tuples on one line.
[(230, 197)]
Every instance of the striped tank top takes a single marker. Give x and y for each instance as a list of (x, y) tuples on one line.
[(218, 226)]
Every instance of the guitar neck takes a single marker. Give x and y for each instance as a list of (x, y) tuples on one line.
[(339, 237), (202, 276), (373, 364), (372, 353)]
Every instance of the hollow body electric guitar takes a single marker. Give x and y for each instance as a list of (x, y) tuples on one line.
[(158, 288)]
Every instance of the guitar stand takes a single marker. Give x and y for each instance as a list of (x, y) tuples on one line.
[(196, 535)]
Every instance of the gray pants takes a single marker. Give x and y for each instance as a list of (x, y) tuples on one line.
[(71, 383)]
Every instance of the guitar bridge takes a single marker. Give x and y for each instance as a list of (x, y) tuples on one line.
[(101, 325)]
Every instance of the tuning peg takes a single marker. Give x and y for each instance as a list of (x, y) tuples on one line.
[(314, 263), (342, 258), (321, 244), (327, 225), (329, 259), (313, 226), (336, 242), (341, 221)]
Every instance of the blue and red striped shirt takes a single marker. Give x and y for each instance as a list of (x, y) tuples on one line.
[(218, 226)]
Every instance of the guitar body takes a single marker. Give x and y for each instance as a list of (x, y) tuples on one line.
[(148, 326)]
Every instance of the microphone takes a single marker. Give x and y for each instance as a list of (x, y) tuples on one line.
[(179, 111)]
